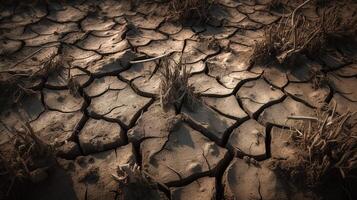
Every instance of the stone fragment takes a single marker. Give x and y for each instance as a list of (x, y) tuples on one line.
[(100, 135)]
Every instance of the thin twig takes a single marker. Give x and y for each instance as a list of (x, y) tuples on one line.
[(297, 117), (150, 59), (29, 56)]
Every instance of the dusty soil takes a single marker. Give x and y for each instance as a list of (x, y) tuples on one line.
[(221, 148)]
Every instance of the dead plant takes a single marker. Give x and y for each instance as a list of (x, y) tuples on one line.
[(136, 184), (14, 86), (276, 4), (174, 88), (326, 143), (296, 34), (24, 158), (187, 9)]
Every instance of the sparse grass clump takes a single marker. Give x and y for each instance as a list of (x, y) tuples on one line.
[(186, 9), (327, 146), (296, 34), (276, 4), (25, 158), (136, 184), (14, 86), (175, 89)]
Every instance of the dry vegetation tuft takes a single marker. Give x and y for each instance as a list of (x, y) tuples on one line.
[(296, 34), (24, 158), (327, 145), (174, 88), (13, 86), (136, 184), (186, 9), (276, 4)]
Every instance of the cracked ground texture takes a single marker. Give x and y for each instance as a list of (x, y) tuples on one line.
[(115, 116)]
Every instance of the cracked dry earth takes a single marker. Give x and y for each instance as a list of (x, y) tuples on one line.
[(115, 116)]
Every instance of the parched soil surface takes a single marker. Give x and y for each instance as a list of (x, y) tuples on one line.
[(221, 148)]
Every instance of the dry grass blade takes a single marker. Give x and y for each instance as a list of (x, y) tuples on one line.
[(14, 86), (327, 144), (296, 34), (136, 183), (174, 88), (186, 9), (24, 158)]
